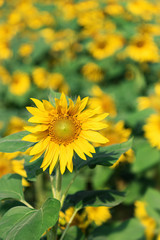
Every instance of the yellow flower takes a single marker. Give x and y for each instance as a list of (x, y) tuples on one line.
[(4, 75), (25, 50), (62, 130), (116, 133), (142, 8), (8, 164), (142, 49), (79, 220), (113, 8), (93, 72), (152, 130), (148, 222), (98, 214), (103, 101), (16, 124), (152, 101), (20, 83), (105, 45)]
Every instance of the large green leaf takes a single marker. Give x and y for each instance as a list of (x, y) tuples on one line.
[(146, 156), (11, 187), (25, 223), (81, 199), (13, 143), (127, 230), (105, 156)]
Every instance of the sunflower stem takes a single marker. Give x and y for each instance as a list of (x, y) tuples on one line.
[(68, 187), (70, 221), (57, 195), (52, 186)]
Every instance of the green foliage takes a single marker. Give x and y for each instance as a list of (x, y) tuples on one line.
[(81, 199), (129, 229), (14, 143), (25, 223), (146, 156), (74, 233), (11, 187)]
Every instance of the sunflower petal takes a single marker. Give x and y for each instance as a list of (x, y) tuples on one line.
[(93, 136), (40, 146)]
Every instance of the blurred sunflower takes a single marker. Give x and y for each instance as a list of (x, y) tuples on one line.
[(152, 130), (62, 130), (8, 164), (103, 101), (148, 222), (25, 50), (142, 8), (20, 83), (5, 77), (116, 133), (104, 46), (92, 72), (152, 101), (15, 124), (142, 49), (98, 215)]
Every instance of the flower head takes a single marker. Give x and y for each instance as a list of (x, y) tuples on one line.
[(62, 130)]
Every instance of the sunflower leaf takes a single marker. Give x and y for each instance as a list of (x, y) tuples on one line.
[(105, 156), (81, 199), (11, 187), (122, 231), (25, 223), (13, 143), (32, 168)]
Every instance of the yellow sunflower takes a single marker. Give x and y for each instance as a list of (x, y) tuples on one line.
[(143, 49), (62, 130), (148, 222), (92, 72), (8, 164), (105, 45), (152, 130), (98, 214), (152, 101)]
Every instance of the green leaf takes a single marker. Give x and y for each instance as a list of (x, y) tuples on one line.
[(146, 156), (25, 223), (13, 143), (81, 199), (152, 198), (11, 187), (105, 156), (32, 168), (74, 233), (127, 230)]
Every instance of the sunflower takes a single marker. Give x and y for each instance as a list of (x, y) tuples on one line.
[(20, 83), (104, 46), (98, 214), (93, 72), (8, 164), (148, 222), (142, 49), (152, 130), (62, 130), (103, 101), (152, 101)]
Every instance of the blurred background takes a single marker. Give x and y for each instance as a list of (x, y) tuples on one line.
[(108, 50)]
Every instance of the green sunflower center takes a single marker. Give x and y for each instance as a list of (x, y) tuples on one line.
[(64, 130)]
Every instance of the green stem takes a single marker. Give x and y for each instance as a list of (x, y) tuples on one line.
[(39, 191), (68, 187), (52, 185), (26, 203), (70, 221), (57, 194)]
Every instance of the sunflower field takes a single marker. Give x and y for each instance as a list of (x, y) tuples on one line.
[(79, 119)]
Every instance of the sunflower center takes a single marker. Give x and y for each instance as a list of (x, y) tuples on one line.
[(64, 130)]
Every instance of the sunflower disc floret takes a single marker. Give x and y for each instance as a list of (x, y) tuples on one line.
[(62, 130)]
